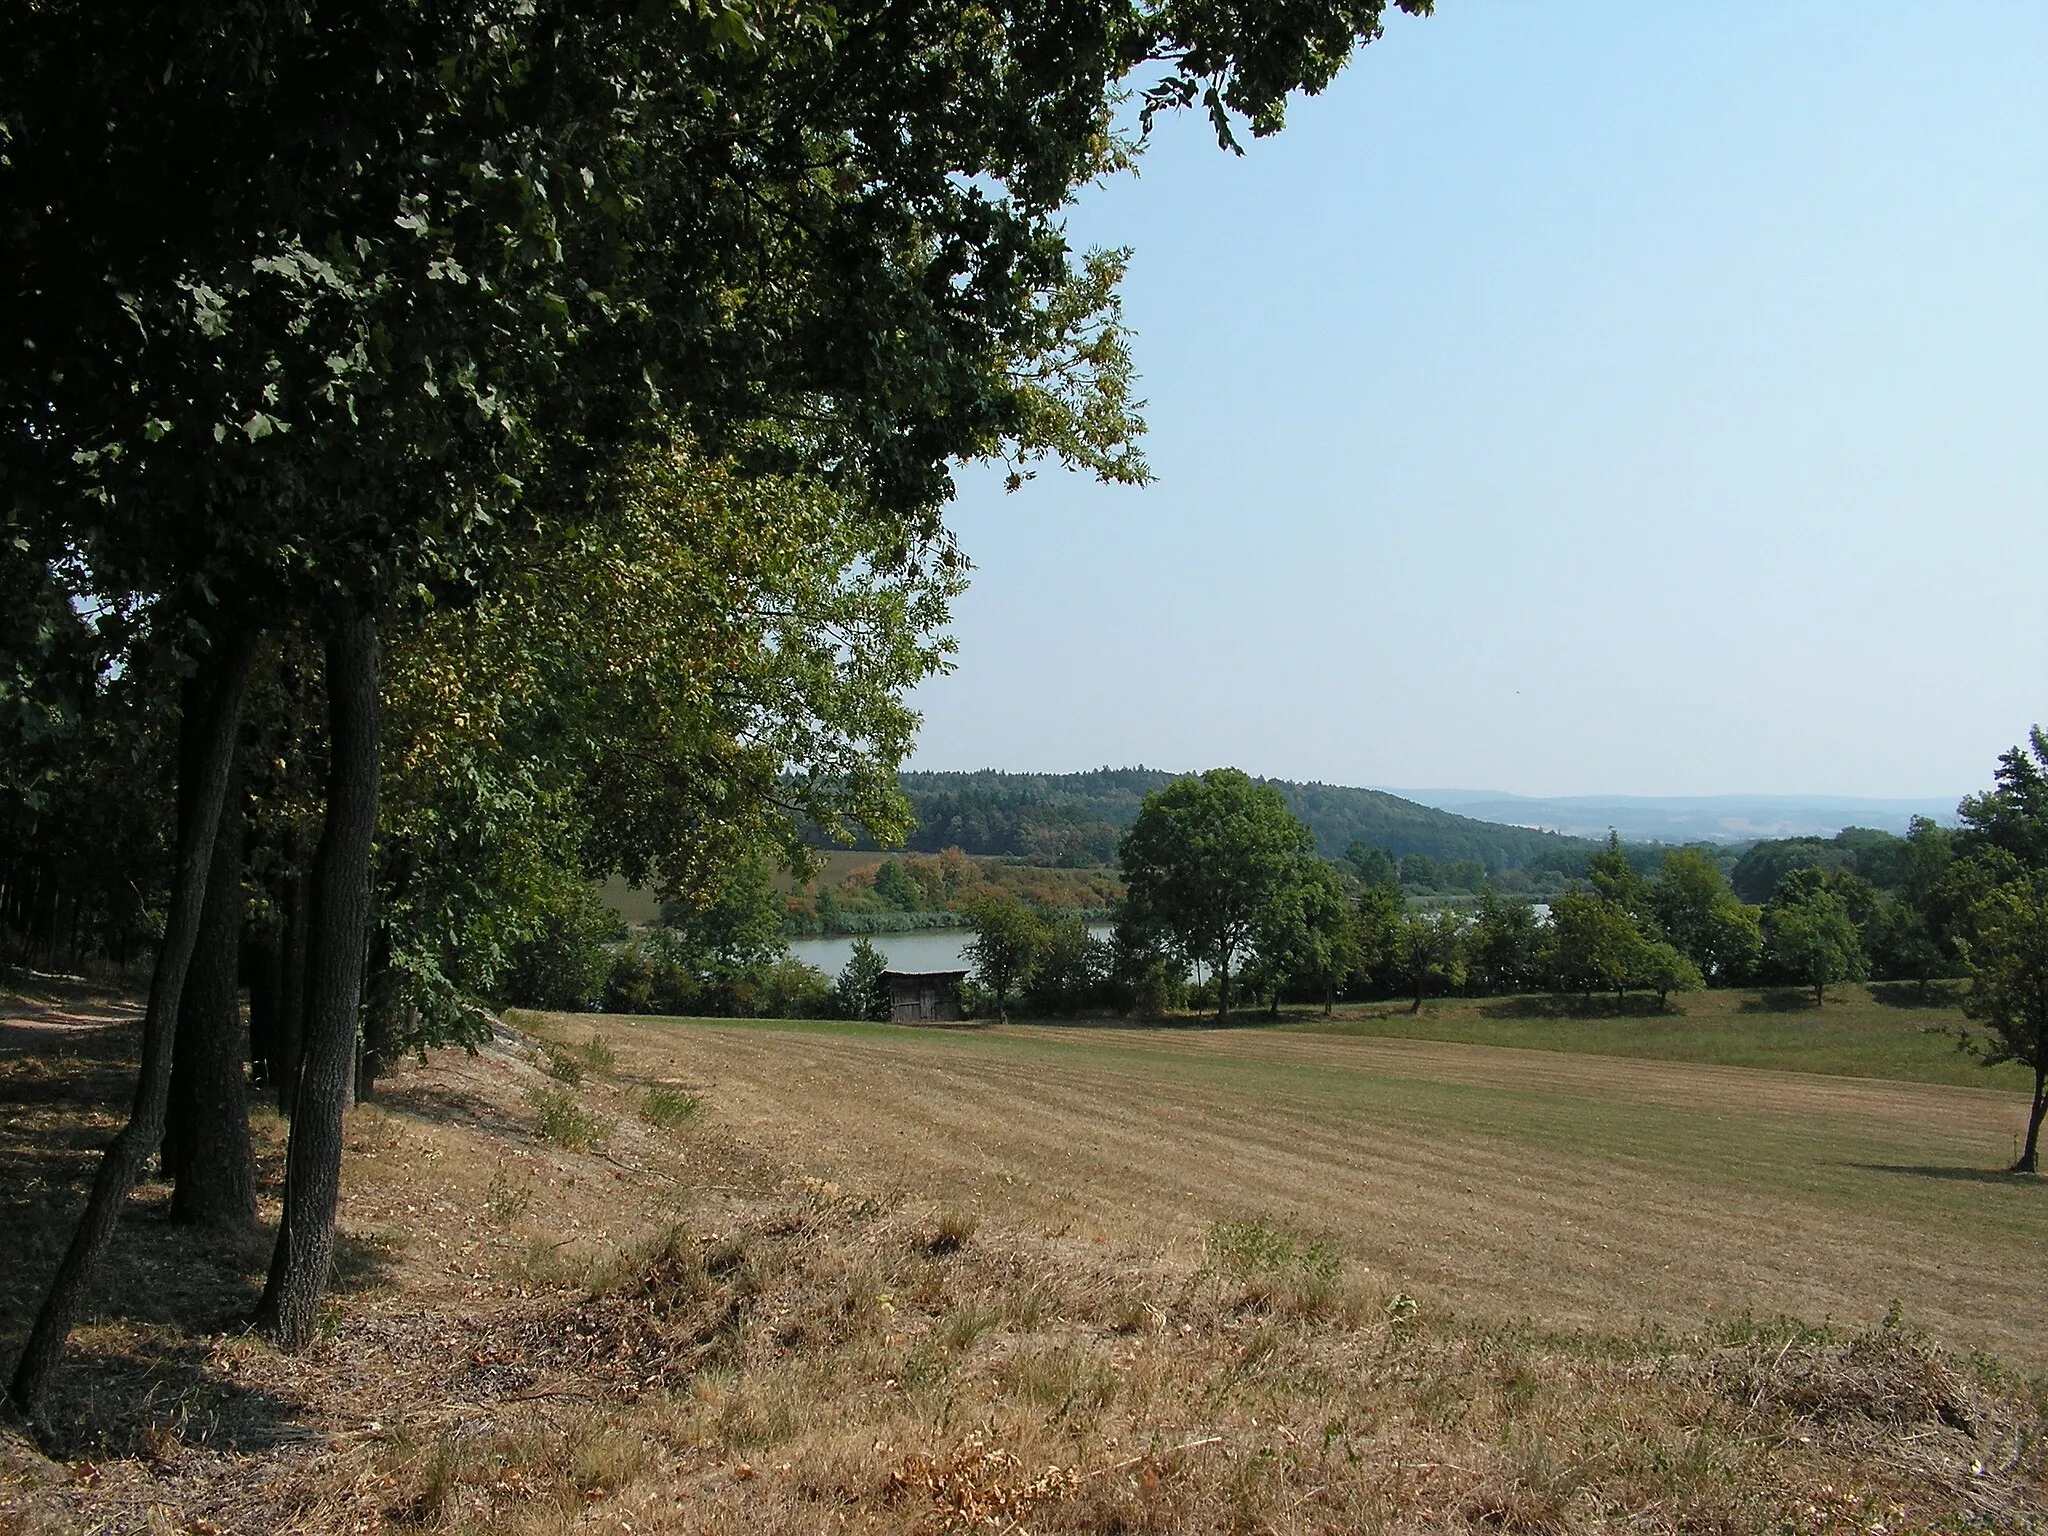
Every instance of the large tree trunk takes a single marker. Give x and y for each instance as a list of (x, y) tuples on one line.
[(211, 719), (341, 913), (2030, 1159), (209, 1108), (287, 1043)]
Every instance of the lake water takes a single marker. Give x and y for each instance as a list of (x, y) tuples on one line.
[(939, 949)]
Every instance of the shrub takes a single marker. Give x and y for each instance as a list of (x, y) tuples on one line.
[(670, 1107), (561, 1120)]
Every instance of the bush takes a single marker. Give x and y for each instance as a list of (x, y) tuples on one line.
[(670, 1107), (561, 1120), (565, 961)]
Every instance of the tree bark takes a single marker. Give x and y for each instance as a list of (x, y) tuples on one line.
[(213, 726), (265, 972), (290, 1307), (2030, 1159), (209, 1108), (287, 1043)]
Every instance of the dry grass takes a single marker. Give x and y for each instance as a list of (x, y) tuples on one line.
[(1584, 1191), (714, 1328)]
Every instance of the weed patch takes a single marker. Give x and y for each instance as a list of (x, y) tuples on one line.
[(560, 1119), (670, 1108)]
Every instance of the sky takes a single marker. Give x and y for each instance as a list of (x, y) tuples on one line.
[(1577, 398)]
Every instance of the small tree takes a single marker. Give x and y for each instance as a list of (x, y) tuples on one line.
[(1594, 944), (2008, 960), (1810, 938), (1431, 952), (1662, 969), (1504, 950), (1008, 940), (858, 992), (1069, 966)]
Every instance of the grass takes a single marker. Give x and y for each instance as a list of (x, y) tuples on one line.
[(1082, 1280), (1515, 1182), (1858, 1032), (561, 1120)]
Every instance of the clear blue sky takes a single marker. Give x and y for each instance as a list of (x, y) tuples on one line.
[(1577, 398)]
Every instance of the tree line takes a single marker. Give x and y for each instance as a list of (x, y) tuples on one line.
[(1079, 819)]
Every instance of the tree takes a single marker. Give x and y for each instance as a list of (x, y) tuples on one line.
[(858, 991), (1662, 969), (1616, 880), (1308, 935), (1429, 952), (1377, 931), (2012, 816), (328, 307), (1373, 866), (1204, 863), (1702, 918), (2008, 960), (1070, 964), (1809, 936), (1594, 944), (894, 885), (1008, 940), (1504, 946)]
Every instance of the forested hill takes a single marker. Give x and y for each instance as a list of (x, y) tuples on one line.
[(1077, 817)]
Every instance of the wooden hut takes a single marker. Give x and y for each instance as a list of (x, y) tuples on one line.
[(923, 997)]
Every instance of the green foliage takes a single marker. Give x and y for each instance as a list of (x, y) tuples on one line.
[(1504, 947), (2008, 959), (858, 992), (1595, 945), (1306, 940), (1008, 940), (1204, 862), (563, 961), (670, 1107), (561, 1119), (1077, 818), (895, 886), (2012, 816), (1703, 919), (1429, 953), (1071, 967), (1809, 936), (1372, 866)]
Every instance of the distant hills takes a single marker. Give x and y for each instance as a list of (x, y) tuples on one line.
[(1077, 818), (1686, 818)]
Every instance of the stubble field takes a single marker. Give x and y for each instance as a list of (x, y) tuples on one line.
[(1567, 1189)]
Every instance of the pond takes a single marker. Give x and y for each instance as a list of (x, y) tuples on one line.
[(932, 949)]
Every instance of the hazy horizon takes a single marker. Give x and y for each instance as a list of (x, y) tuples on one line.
[(1587, 400)]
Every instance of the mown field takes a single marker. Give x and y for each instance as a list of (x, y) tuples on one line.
[(1552, 1185), (1896, 1030)]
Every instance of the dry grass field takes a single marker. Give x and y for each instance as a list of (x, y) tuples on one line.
[(691, 1277), (1569, 1189)]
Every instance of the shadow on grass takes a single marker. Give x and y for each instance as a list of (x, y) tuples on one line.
[(1570, 1006), (2004, 1176), (1779, 1000), (1917, 994), (141, 1376)]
